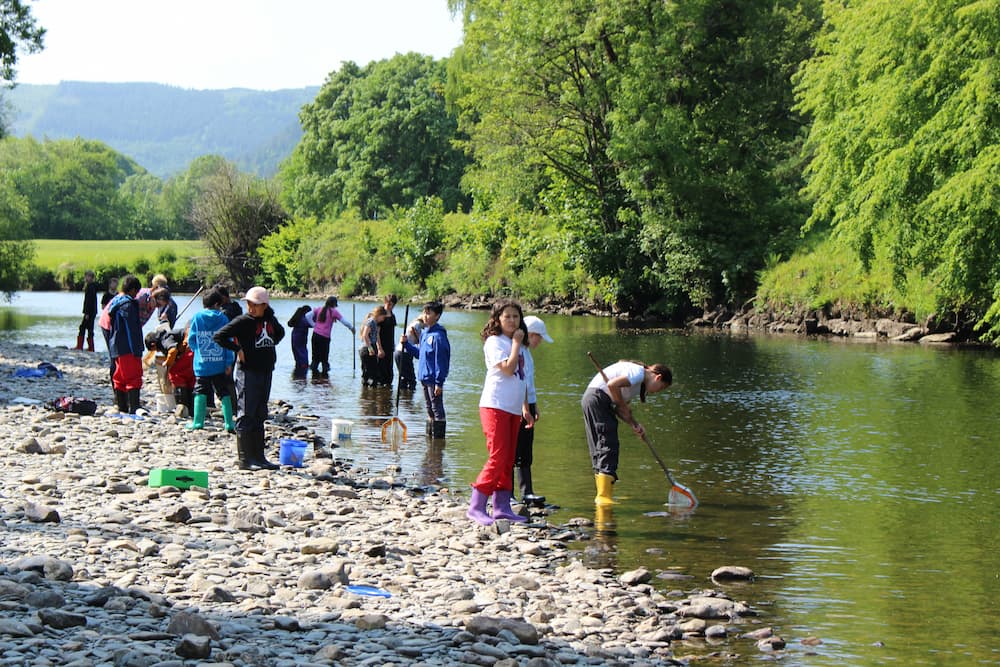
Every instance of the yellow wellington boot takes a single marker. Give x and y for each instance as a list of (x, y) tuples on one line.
[(604, 483)]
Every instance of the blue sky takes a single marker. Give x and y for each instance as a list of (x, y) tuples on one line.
[(206, 44)]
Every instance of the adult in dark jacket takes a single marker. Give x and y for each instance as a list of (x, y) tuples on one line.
[(125, 345), (90, 290), (254, 337)]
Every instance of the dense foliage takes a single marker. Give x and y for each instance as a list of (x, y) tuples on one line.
[(657, 157), (18, 31), (376, 138), (658, 134), (905, 142)]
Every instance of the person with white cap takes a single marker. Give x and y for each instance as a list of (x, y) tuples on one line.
[(526, 434), (253, 336)]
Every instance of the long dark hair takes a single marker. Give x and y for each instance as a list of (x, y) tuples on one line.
[(492, 326), (331, 302)]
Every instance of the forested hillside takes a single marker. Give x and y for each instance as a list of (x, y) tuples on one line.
[(164, 128)]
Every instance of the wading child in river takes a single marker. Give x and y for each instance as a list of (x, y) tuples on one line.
[(323, 319), (604, 403), (300, 322), (433, 359), (502, 406), (371, 345)]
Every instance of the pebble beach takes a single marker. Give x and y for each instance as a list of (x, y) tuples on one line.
[(326, 564)]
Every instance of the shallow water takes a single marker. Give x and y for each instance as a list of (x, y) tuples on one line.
[(860, 481)]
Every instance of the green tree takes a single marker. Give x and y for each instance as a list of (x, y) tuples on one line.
[(233, 213), (420, 233), (16, 252), (375, 138), (659, 134), (182, 191), (18, 30), (904, 148), (71, 186)]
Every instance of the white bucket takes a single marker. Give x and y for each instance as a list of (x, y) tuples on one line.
[(341, 430), (165, 403)]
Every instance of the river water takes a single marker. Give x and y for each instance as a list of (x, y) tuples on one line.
[(860, 481)]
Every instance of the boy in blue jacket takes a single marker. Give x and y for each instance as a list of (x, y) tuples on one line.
[(125, 345), (434, 357), (213, 364)]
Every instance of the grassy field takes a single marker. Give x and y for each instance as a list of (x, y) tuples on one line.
[(51, 254)]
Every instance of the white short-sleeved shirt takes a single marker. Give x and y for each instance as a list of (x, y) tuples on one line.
[(635, 373), (501, 391)]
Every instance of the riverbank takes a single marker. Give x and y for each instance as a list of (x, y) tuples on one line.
[(98, 567)]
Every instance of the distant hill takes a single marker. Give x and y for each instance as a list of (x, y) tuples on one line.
[(162, 127)]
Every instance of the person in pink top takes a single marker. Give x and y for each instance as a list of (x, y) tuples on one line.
[(322, 323)]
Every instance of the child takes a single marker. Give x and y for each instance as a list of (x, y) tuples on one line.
[(253, 336), (125, 345), (502, 406), (434, 357), (604, 403), (104, 321), (323, 319), (371, 345), (404, 356), (144, 297), (156, 355), (89, 312), (300, 323), (387, 339), (526, 434), (213, 364), (180, 369), (166, 308)]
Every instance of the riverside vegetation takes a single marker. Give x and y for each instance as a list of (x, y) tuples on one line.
[(99, 567), (646, 159)]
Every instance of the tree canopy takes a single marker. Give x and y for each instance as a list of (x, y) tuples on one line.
[(18, 31), (904, 147), (660, 134), (376, 137)]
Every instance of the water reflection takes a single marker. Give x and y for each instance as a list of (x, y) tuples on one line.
[(858, 481)]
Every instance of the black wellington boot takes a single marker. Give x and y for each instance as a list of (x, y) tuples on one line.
[(133, 401), (121, 400), (528, 496), (243, 458), (437, 428), (261, 458)]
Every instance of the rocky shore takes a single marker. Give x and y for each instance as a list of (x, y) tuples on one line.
[(320, 565)]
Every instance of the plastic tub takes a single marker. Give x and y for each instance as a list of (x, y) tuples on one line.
[(291, 452), (341, 430)]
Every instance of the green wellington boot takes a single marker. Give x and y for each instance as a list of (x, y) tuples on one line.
[(227, 414), (198, 414)]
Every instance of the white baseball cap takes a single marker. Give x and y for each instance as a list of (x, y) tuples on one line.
[(256, 295), (536, 326)]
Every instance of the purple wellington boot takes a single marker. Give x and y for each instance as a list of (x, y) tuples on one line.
[(501, 507), (477, 508)]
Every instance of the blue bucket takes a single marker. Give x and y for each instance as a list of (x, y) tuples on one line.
[(291, 452)]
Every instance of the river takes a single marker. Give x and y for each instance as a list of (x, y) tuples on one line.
[(859, 480)]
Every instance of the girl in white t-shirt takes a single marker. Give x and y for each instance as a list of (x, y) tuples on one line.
[(502, 405)]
